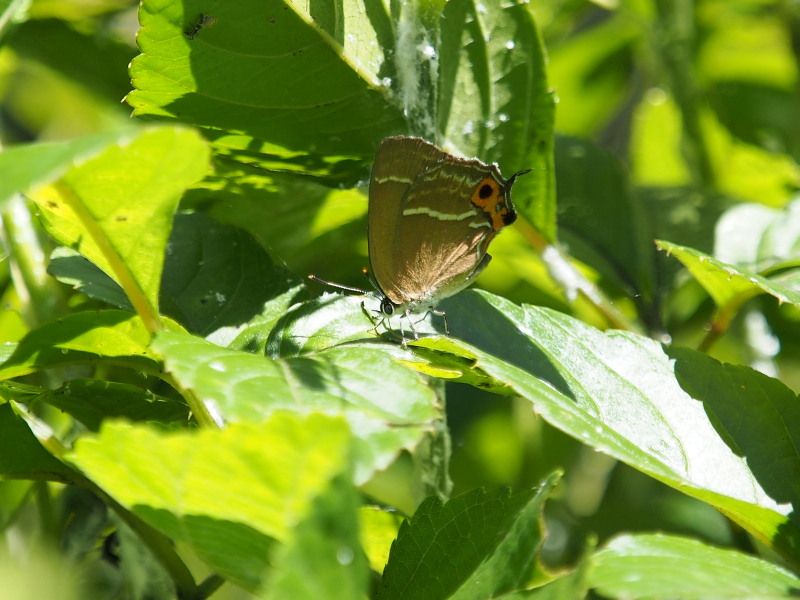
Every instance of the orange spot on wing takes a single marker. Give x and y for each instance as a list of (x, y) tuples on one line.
[(488, 196)]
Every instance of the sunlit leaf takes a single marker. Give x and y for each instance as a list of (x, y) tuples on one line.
[(229, 494), (242, 387), (645, 566)]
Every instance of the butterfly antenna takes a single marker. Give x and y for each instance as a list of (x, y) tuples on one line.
[(511, 179), (337, 285)]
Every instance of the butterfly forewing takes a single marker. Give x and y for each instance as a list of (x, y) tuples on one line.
[(398, 163)]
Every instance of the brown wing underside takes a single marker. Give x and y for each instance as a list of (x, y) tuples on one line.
[(398, 161), (414, 255)]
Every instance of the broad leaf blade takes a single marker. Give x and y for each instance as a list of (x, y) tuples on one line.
[(218, 277), (290, 81), (734, 395), (467, 530), (727, 284), (618, 392), (324, 322), (599, 219), (242, 387), (494, 99), (91, 401), (69, 267), (645, 566), (228, 493), (22, 455), (30, 166), (82, 337), (513, 564), (116, 209), (324, 559)]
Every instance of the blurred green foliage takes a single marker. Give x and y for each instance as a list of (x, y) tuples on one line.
[(675, 120)]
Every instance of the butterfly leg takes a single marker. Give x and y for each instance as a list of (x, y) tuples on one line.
[(375, 322), (410, 325), (441, 313)]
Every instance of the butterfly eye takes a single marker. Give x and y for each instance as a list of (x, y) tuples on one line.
[(387, 307)]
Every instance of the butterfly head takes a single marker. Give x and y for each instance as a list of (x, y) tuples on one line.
[(493, 196)]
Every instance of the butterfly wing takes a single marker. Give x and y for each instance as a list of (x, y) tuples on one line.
[(442, 236), (431, 218), (398, 163)]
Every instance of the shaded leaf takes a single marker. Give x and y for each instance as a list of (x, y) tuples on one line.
[(22, 455), (82, 337), (468, 531), (301, 85), (215, 278), (593, 189), (756, 415), (513, 564), (219, 277), (69, 267), (494, 99), (91, 401)]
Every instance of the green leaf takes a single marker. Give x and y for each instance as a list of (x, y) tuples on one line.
[(513, 564), (29, 166), (301, 84), (228, 493), (82, 337), (91, 401), (603, 225), (321, 229), (218, 277), (116, 209), (324, 559), (728, 285), (243, 387), (469, 530), (378, 529), (324, 322), (618, 392), (346, 81), (22, 455), (494, 99), (645, 566), (565, 586), (756, 415), (69, 267)]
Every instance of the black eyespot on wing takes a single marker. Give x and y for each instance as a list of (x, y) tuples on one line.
[(485, 191)]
